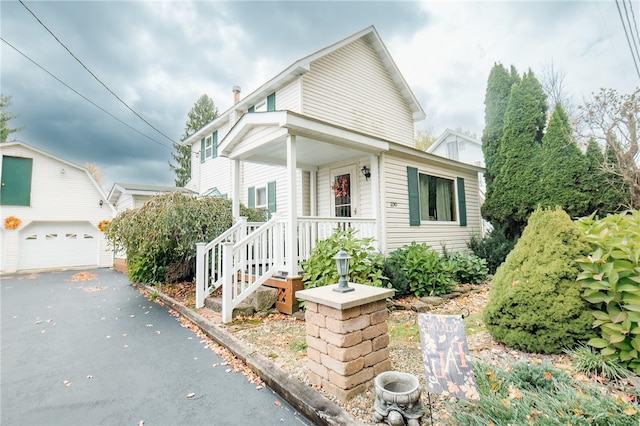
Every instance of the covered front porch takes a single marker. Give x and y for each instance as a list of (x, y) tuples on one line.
[(249, 254)]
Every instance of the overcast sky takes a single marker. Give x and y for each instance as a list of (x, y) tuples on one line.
[(159, 58)]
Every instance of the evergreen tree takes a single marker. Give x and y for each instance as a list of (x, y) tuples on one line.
[(563, 167), (603, 198), (204, 111), (496, 98), (512, 197), (5, 116)]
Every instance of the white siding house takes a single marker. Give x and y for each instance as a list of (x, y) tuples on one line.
[(329, 142), (59, 206)]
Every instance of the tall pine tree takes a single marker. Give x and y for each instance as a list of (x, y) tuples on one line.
[(563, 167), (495, 104), (603, 198), (204, 111), (512, 196)]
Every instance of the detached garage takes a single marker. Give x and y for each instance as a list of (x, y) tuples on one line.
[(51, 210)]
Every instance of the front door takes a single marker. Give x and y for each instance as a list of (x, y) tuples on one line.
[(343, 186)]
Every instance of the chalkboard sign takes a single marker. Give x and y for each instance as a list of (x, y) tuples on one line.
[(445, 353)]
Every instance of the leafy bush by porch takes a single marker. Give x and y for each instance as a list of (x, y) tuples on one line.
[(610, 278), (534, 300), (494, 247), (160, 237), (365, 266)]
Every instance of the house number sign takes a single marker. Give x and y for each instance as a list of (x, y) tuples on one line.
[(445, 353)]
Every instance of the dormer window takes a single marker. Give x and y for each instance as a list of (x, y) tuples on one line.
[(268, 104)]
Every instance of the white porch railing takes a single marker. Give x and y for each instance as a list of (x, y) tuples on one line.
[(248, 254), (209, 258), (312, 229)]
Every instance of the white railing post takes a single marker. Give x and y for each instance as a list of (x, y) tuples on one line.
[(227, 282), (201, 282)]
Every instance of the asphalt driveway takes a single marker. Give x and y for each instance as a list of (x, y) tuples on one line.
[(97, 351)]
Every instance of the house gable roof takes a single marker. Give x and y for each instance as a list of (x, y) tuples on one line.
[(120, 188), (448, 132), (60, 160), (303, 65)]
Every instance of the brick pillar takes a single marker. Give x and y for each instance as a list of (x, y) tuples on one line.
[(347, 340)]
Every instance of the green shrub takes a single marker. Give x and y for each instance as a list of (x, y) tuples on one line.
[(468, 268), (419, 270), (493, 248), (160, 237), (610, 278), (534, 299), (365, 266), (527, 394)]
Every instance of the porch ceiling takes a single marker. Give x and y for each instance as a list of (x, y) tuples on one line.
[(317, 143)]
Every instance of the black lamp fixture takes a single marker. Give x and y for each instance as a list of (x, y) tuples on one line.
[(101, 203), (366, 172), (342, 264)]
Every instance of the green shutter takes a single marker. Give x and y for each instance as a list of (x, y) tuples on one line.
[(251, 197), (414, 197), (271, 102), (214, 144), (16, 181), (252, 108), (202, 150), (271, 197), (462, 203)]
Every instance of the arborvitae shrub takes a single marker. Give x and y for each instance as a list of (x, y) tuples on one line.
[(535, 303), (493, 248)]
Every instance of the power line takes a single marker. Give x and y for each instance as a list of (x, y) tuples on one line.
[(635, 24), (92, 74), (633, 56), (633, 35), (84, 97)]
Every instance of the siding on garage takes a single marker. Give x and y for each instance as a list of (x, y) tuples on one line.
[(60, 192)]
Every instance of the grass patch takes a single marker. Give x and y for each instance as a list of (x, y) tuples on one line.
[(473, 324), (298, 344)]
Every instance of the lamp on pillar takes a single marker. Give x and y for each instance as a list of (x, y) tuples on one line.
[(342, 264)]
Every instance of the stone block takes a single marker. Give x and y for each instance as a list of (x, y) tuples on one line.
[(318, 369), (345, 368), (262, 299), (314, 354), (374, 331), (342, 394), (376, 357), (374, 306), (310, 306), (380, 342), (341, 340), (316, 343), (379, 316), (339, 314), (348, 326), (382, 367), (314, 379), (314, 318), (313, 330), (350, 353), (348, 382)]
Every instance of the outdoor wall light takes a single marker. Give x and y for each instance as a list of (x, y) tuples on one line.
[(101, 203), (342, 264), (366, 172)]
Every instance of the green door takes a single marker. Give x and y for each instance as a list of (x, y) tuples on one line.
[(15, 189)]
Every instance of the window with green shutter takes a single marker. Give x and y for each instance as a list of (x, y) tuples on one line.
[(202, 157), (214, 144), (433, 198), (252, 108), (251, 197), (15, 189), (271, 197), (271, 102)]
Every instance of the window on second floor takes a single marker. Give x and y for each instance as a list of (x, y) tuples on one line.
[(209, 147), (452, 150), (268, 104)]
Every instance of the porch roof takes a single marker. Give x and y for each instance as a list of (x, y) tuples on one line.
[(317, 142)]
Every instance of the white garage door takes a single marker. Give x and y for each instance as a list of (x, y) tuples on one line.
[(45, 245)]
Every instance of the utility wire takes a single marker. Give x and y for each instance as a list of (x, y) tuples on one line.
[(635, 62), (84, 97), (635, 24), (633, 35), (92, 74)]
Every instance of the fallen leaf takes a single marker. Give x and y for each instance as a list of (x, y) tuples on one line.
[(141, 423), (89, 376), (278, 403), (630, 411), (191, 395)]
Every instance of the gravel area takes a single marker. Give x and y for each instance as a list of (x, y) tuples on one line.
[(282, 338)]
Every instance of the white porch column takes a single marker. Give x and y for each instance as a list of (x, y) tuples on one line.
[(375, 198), (235, 187), (291, 242), (313, 193)]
